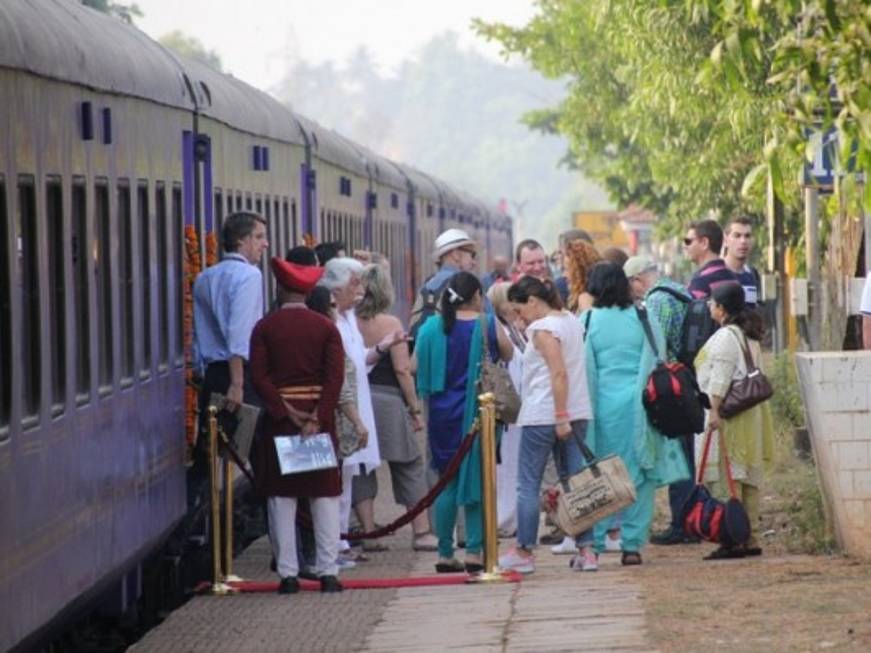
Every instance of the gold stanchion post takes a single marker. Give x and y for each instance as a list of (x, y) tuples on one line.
[(218, 586), (488, 491), (229, 576)]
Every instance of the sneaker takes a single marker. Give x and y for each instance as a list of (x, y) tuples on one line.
[(516, 562), (567, 546), (587, 560), (613, 545), (345, 562)]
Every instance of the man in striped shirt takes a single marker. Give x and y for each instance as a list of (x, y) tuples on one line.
[(702, 244)]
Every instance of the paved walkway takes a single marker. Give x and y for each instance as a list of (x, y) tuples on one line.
[(555, 609)]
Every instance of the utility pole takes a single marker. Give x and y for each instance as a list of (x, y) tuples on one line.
[(776, 265), (812, 259)]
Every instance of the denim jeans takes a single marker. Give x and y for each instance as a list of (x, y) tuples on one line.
[(536, 444)]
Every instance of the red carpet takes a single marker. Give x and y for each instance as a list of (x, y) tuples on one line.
[(248, 586)]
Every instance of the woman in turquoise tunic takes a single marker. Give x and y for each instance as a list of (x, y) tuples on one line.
[(619, 359), (448, 353)]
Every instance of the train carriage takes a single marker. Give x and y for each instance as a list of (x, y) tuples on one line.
[(91, 462)]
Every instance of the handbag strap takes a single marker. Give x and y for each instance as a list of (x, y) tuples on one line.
[(745, 348), (586, 452), (704, 461), (485, 351), (645, 322)]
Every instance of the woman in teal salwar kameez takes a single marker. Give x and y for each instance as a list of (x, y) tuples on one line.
[(448, 353), (619, 359)]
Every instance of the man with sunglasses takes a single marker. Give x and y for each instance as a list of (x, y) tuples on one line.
[(702, 244)]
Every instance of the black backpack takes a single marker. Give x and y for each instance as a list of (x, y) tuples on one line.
[(674, 404), (698, 326), (429, 306)]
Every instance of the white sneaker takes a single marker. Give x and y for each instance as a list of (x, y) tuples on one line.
[(612, 545), (565, 547), (514, 561), (585, 561)]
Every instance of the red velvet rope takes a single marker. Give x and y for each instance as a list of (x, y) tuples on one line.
[(399, 522)]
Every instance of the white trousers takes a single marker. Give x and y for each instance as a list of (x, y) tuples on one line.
[(345, 505), (506, 479), (282, 534)]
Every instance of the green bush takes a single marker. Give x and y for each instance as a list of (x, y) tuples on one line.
[(786, 403)]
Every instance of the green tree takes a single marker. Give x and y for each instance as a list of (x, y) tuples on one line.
[(123, 11), (680, 105), (191, 47)]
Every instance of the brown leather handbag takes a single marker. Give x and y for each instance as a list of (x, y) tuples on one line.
[(495, 378), (745, 393)]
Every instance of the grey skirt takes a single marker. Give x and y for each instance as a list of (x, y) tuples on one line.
[(396, 442)]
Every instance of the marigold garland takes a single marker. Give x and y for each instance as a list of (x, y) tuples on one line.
[(192, 268)]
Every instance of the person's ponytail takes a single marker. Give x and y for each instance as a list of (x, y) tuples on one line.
[(460, 290)]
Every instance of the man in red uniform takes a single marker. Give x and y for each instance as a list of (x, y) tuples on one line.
[(297, 369)]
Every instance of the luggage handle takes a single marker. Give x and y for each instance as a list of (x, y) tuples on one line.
[(589, 457)]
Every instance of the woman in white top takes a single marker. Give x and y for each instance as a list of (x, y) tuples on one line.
[(554, 414)]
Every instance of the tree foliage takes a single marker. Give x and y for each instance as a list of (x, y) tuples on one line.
[(192, 47), (456, 114), (682, 105), (121, 10)]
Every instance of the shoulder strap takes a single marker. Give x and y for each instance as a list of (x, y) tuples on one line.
[(485, 352), (587, 323), (642, 315), (745, 348), (674, 293)]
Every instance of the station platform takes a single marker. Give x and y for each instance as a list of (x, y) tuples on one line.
[(554, 609)]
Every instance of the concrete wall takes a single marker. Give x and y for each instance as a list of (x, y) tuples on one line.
[(836, 389)]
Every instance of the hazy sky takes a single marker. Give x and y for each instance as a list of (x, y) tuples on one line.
[(254, 38)]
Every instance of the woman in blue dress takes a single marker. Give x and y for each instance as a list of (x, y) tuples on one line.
[(448, 353), (619, 359)]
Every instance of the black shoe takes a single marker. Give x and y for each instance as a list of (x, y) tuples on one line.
[(725, 554), (473, 567), (330, 584), (669, 537), (555, 536), (288, 585)]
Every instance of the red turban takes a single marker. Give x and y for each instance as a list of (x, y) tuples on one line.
[(296, 278)]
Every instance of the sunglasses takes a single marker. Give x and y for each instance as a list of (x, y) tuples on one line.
[(688, 241), (470, 252)]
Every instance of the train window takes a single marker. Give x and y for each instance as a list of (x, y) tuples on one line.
[(145, 274), (56, 292), (258, 205), (219, 212), (238, 200), (5, 320), (294, 234), (394, 201), (125, 279), (103, 230), (282, 226), (248, 203), (177, 240), (162, 274), (81, 277), (28, 279)]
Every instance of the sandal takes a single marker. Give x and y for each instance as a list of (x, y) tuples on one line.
[(451, 566), (425, 541), (374, 546), (630, 558), (723, 553), (473, 567)]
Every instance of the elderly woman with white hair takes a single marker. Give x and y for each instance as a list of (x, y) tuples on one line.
[(342, 277)]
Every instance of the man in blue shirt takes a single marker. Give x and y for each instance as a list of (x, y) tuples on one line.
[(739, 245), (228, 301)]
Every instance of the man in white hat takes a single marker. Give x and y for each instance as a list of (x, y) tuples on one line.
[(453, 252)]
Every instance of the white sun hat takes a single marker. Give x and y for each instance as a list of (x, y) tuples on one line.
[(450, 240)]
